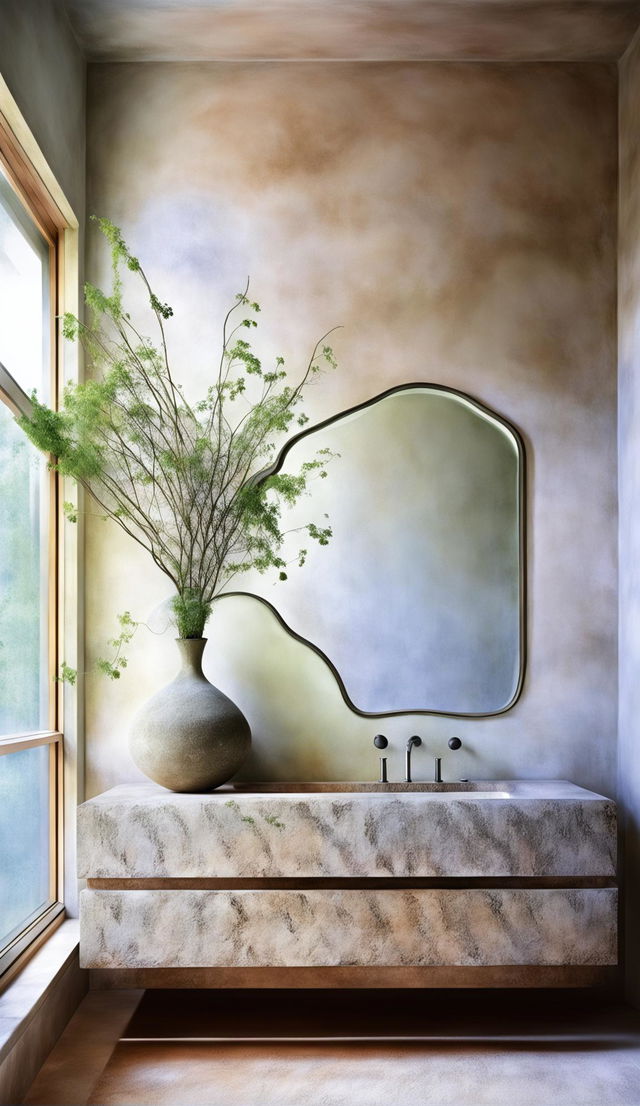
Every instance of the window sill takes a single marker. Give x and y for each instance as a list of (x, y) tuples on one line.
[(17, 954), (28, 990)]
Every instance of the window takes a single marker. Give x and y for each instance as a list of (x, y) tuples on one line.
[(30, 742)]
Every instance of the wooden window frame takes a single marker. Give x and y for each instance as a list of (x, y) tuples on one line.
[(41, 920), (42, 209)]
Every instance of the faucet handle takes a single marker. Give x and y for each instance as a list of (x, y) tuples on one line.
[(380, 741)]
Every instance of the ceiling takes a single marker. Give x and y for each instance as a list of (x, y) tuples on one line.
[(404, 30)]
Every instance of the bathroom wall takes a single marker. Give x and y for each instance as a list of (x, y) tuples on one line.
[(45, 70), (459, 222), (629, 501)]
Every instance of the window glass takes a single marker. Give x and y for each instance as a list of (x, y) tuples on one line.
[(24, 560), (24, 296), (24, 838), (28, 775)]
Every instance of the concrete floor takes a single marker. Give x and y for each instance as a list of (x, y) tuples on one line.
[(285, 1048)]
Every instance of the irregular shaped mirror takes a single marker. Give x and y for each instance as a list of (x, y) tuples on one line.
[(417, 602)]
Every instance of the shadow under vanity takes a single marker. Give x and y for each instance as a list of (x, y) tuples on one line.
[(482, 883)]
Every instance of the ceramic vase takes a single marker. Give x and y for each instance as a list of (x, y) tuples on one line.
[(189, 736)]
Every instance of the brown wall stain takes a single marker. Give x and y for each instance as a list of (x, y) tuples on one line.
[(459, 221)]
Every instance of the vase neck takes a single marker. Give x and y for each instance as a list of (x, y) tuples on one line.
[(191, 650)]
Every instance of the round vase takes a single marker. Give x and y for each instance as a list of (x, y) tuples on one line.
[(189, 736)]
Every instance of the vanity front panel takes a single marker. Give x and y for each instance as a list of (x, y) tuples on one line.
[(492, 877), (316, 928), (512, 829)]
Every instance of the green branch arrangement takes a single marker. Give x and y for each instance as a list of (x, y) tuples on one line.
[(184, 480)]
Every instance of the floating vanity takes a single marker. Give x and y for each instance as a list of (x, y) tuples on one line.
[(346, 884)]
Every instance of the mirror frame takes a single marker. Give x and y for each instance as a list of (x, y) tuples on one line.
[(522, 558)]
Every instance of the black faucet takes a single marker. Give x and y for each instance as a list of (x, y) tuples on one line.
[(415, 740), (454, 743)]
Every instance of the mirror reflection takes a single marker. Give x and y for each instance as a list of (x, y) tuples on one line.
[(417, 600)]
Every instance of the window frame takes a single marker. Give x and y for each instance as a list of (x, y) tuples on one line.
[(41, 920), (30, 191)]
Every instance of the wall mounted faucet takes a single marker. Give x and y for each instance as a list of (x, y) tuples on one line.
[(415, 740), (380, 742), (454, 743)]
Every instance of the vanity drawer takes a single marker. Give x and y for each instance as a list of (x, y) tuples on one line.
[(540, 830), (348, 927)]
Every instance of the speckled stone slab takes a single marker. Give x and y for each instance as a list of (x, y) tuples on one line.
[(505, 828), (155, 929)]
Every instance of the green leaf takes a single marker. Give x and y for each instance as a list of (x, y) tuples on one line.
[(66, 675), (181, 475)]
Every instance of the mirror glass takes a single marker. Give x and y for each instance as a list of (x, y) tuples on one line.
[(417, 601)]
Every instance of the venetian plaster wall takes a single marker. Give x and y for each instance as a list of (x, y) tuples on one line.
[(459, 221), (45, 70), (629, 492)]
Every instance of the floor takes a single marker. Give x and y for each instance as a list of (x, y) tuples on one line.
[(344, 1048)]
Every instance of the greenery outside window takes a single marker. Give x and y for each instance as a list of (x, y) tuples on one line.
[(30, 739)]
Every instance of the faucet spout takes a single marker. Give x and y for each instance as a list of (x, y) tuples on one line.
[(413, 741)]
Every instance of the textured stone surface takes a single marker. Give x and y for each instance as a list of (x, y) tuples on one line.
[(345, 927), (543, 829)]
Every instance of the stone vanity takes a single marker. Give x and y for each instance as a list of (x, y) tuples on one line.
[(488, 883)]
